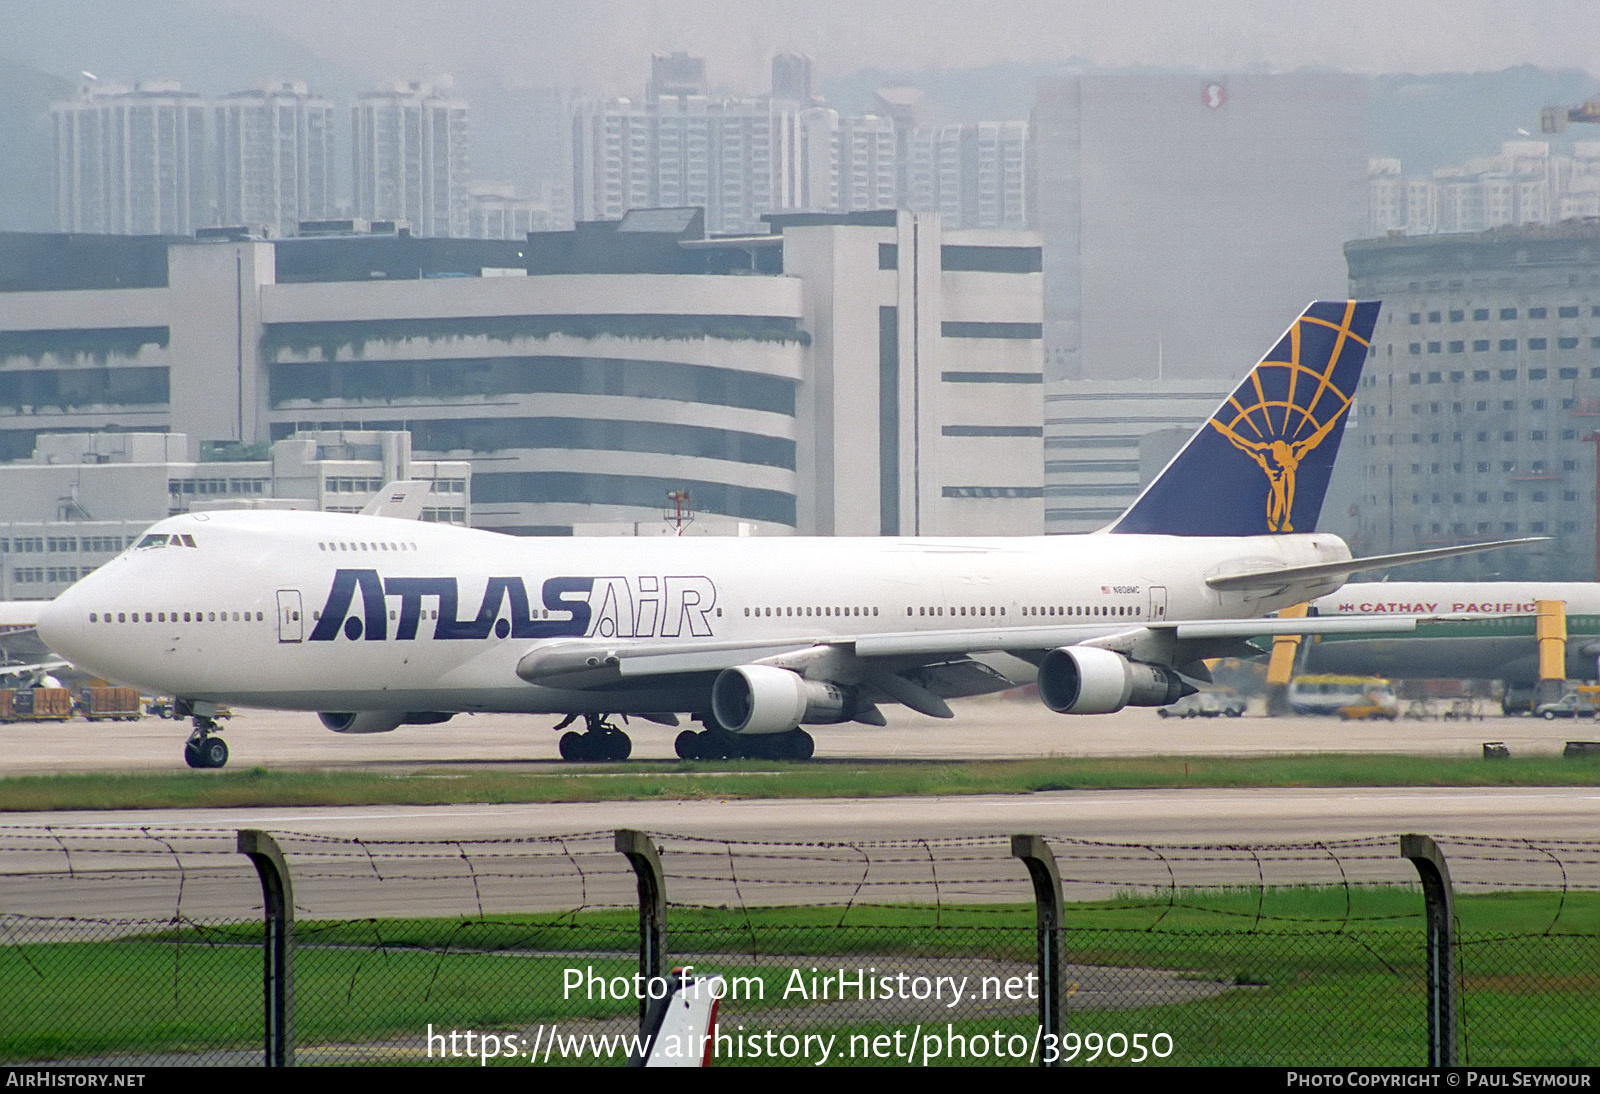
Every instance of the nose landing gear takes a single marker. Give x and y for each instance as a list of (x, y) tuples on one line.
[(202, 749)]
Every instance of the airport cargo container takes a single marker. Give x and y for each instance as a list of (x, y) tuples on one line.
[(108, 703)]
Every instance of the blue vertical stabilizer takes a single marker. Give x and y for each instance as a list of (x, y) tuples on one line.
[(1261, 463)]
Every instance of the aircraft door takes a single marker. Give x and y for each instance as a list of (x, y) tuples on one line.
[(290, 625), (1158, 603)]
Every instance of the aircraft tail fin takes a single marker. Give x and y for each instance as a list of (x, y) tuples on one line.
[(1261, 463), (401, 500)]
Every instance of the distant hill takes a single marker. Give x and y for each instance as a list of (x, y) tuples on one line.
[(1434, 121), (162, 40)]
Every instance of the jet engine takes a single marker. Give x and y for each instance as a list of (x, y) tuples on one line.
[(380, 721), (1090, 680), (753, 699)]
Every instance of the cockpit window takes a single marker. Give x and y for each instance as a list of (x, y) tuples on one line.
[(159, 540)]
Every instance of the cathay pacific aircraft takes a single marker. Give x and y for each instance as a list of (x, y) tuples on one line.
[(378, 623), (1491, 638)]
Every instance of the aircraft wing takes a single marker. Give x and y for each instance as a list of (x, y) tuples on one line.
[(16, 615), (917, 668), (40, 666)]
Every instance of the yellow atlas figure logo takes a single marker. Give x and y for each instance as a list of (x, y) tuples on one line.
[(1279, 431)]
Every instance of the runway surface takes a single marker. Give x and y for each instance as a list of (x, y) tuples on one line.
[(992, 728), (460, 859)]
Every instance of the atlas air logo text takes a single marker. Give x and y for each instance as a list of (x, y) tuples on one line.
[(601, 607)]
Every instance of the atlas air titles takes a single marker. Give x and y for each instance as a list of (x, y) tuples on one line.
[(644, 606)]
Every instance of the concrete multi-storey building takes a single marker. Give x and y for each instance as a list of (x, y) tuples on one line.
[(862, 374), (274, 158), (1480, 405), (80, 498), (494, 211), (1105, 439), (131, 162), (1187, 219), (409, 158)]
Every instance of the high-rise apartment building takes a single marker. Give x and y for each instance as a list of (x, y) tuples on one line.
[(850, 162), (409, 160), (974, 174), (742, 157), (737, 158), (131, 162), (274, 157), (1524, 183)]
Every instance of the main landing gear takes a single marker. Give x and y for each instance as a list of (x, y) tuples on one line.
[(202, 749), (600, 742), (718, 744)]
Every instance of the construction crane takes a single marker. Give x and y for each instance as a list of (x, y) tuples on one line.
[(1555, 119)]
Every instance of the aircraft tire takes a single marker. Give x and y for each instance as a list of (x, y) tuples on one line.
[(687, 745), (719, 744), (214, 751), (802, 746), (572, 747), (191, 754), (616, 746)]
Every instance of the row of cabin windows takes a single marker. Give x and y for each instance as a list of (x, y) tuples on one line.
[(341, 545), (187, 617), (952, 610), (808, 611), (1084, 610)]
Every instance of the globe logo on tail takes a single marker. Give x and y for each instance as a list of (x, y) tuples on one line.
[(1292, 408)]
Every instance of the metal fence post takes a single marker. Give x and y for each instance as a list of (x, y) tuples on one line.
[(1048, 916), (1439, 899), (652, 909), (277, 956)]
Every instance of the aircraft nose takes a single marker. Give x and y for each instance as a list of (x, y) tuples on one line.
[(61, 624)]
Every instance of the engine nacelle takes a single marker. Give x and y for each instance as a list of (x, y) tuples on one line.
[(763, 699), (1090, 680), (381, 721)]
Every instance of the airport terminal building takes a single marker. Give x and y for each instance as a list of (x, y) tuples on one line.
[(865, 373), (1480, 402)]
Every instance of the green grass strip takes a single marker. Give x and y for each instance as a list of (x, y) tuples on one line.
[(1294, 976), (652, 780)]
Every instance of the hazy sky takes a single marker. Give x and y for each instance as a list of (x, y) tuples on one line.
[(602, 44)]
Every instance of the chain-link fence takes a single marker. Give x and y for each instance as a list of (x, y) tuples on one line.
[(122, 947)]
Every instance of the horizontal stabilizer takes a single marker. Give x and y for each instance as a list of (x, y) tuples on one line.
[(1272, 579)]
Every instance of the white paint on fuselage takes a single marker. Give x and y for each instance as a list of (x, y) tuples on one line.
[(772, 589), (1459, 597)]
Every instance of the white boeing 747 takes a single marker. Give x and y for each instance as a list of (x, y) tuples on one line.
[(378, 623)]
